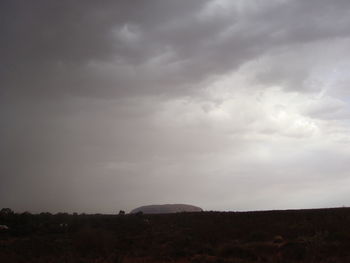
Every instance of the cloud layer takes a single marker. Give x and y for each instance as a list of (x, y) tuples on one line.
[(229, 105)]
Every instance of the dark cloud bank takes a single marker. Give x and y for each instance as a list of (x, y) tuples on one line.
[(229, 105)]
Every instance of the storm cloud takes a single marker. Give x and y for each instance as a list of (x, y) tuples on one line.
[(228, 105)]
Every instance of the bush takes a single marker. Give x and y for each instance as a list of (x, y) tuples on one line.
[(236, 251), (93, 241)]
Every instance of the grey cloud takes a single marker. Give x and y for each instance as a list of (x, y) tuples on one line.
[(109, 104), (51, 44)]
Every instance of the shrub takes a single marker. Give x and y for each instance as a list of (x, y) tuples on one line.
[(89, 241), (236, 251)]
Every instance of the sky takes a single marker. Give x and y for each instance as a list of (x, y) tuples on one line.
[(227, 105)]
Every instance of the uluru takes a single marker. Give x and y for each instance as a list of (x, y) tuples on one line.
[(166, 209)]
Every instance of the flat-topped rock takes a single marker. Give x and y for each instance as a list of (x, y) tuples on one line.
[(166, 209)]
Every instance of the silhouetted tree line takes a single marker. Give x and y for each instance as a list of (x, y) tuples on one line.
[(319, 235)]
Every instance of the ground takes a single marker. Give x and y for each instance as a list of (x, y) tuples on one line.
[(316, 235)]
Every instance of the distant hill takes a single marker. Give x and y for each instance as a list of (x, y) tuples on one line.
[(166, 209)]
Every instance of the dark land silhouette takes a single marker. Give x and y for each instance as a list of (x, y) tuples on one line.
[(314, 235), (166, 209)]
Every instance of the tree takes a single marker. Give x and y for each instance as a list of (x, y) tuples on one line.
[(6, 211)]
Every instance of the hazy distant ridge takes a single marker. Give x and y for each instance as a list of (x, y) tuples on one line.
[(166, 209)]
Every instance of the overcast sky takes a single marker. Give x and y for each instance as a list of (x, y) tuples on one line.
[(228, 105)]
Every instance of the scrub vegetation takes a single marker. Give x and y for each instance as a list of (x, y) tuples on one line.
[(317, 235)]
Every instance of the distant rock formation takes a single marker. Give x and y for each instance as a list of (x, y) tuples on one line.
[(166, 209)]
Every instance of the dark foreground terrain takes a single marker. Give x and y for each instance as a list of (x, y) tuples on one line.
[(320, 235)]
